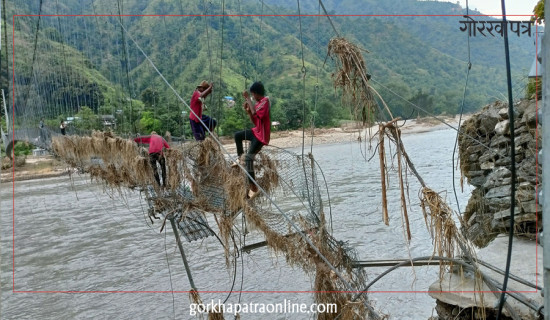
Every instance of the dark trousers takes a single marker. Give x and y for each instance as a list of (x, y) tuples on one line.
[(199, 131), (153, 159), (255, 147)]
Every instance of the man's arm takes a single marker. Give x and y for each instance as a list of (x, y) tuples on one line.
[(206, 92), (143, 139), (248, 102), (248, 109)]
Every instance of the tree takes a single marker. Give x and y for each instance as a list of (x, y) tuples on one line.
[(86, 119), (148, 123), (293, 110), (423, 100), (150, 97), (235, 120), (539, 12), (327, 114)]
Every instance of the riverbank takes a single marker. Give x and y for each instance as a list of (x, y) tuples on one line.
[(36, 167), (349, 132)]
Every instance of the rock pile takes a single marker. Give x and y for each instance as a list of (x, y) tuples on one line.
[(486, 164)]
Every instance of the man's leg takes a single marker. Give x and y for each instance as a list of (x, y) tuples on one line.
[(209, 122), (162, 162), (255, 147), (153, 162), (197, 129), (239, 137)]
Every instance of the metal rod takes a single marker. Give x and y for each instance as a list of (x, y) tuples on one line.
[(512, 276), (546, 164), (6, 134), (6, 112), (180, 246), (262, 244), (391, 263)]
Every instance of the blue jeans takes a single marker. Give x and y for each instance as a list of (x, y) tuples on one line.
[(198, 129)]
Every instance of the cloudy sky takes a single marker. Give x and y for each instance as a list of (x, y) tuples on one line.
[(493, 7)]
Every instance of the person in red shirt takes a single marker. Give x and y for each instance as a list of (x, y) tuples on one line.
[(198, 129), (156, 145), (259, 135)]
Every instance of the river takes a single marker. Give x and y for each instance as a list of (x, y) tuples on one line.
[(82, 252)]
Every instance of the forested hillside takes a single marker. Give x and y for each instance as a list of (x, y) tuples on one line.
[(94, 61)]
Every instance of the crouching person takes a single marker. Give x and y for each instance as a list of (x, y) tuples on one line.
[(156, 155)]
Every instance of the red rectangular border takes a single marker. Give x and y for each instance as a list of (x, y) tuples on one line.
[(227, 291)]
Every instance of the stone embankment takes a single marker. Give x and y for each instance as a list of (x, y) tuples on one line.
[(486, 163)]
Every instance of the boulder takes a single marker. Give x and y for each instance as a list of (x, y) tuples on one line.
[(487, 120), (500, 141), (530, 116), (503, 127), (497, 178), (523, 138), (498, 192)]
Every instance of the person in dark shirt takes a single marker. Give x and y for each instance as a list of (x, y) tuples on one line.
[(62, 127)]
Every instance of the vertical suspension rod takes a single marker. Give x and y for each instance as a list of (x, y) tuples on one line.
[(180, 246)]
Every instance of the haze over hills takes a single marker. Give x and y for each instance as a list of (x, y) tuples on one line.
[(421, 58)]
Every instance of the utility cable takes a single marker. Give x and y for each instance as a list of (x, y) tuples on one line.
[(513, 162)]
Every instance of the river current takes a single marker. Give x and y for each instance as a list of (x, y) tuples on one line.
[(81, 252)]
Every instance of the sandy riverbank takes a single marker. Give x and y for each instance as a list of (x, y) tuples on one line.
[(48, 166), (35, 168), (349, 133)]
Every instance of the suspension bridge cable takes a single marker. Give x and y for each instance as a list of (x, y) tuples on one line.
[(304, 73), (170, 275), (211, 73), (328, 17), (268, 197), (303, 81), (26, 94), (126, 63), (289, 23), (316, 87), (513, 162), (431, 114), (218, 104), (244, 73), (258, 48), (469, 66), (4, 48)]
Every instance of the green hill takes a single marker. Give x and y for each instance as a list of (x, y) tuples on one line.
[(423, 59)]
